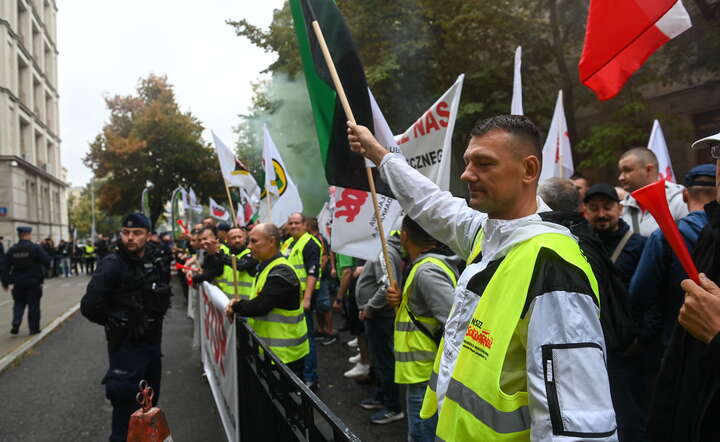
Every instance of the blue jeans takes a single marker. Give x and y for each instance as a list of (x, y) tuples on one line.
[(65, 265), (419, 430), (310, 373), (379, 333), (30, 297), (321, 297)]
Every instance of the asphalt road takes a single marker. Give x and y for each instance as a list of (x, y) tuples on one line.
[(54, 394)]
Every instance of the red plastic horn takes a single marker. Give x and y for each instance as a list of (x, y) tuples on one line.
[(652, 197), (179, 266)]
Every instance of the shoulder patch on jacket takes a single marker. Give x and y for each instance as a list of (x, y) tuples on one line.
[(552, 273)]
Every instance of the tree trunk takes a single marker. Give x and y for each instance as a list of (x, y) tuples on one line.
[(566, 81)]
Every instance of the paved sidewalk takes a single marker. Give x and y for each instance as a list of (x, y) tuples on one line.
[(59, 295)]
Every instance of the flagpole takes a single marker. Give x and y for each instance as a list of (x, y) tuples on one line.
[(232, 210), (349, 115), (269, 206)]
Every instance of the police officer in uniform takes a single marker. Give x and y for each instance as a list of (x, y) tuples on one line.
[(129, 295), (24, 270)]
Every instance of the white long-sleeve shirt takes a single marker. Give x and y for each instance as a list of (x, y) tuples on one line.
[(566, 319)]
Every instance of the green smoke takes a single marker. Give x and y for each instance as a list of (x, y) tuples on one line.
[(283, 104)]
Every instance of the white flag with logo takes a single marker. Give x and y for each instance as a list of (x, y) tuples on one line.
[(557, 155), (427, 144), (279, 187), (516, 107), (354, 228), (192, 201), (234, 172), (658, 146), (218, 211)]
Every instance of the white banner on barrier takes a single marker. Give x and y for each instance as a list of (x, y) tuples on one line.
[(219, 356)]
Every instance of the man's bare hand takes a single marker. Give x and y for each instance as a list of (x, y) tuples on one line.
[(700, 314), (394, 297), (363, 142), (229, 309)]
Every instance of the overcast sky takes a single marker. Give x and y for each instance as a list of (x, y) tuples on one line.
[(106, 46)]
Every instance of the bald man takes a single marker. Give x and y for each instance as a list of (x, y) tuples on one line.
[(276, 306)]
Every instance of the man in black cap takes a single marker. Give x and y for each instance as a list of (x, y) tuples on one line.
[(603, 211), (129, 295), (24, 270)]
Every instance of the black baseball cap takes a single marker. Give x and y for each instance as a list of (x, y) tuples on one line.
[(136, 220), (601, 189)]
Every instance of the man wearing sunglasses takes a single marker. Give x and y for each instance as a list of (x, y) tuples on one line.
[(687, 401)]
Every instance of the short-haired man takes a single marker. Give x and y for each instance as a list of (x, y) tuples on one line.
[(581, 183), (603, 210), (560, 194), (129, 295), (276, 306), (303, 251), (237, 282), (686, 402), (212, 264), (209, 221), (524, 329), (638, 168), (424, 305)]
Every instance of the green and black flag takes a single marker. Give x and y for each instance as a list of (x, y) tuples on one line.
[(343, 167)]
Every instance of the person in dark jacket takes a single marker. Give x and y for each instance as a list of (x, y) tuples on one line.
[(24, 270), (603, 210), (129, 295), (212, 266), (655, 292), (686, 404)]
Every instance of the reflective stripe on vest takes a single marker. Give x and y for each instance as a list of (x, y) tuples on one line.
[(227, 282), (477, 247), (293, 249), (474, 407), (414, 350), (285, 331)]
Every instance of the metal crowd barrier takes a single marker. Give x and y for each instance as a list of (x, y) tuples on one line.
[(274, 405)]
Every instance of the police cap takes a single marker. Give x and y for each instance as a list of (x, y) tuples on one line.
[(225, 227), (24, 229), (136, 220)]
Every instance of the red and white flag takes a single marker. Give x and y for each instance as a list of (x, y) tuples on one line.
[(218, 211), (658, 146), (621, 35), (557, 156)]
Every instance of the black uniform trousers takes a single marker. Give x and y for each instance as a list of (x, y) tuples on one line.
[(27, 296), (130, 363)]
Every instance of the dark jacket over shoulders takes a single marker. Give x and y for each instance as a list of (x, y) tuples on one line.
[(24, 264), (281, 290), (630, 256), (687, 399)]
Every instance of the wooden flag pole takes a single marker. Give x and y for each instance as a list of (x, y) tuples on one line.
[(232, 210), (349, 115), (234, 269)]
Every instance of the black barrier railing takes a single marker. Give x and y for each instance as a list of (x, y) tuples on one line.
[(274, 405)]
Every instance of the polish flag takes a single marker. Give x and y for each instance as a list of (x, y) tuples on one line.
[(557, 161), (658, 146), (621, 35)]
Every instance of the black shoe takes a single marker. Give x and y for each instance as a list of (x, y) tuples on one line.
[(34, 332), (328, 339), (14, 330)]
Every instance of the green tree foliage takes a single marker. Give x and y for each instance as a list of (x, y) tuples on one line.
[(148, 138), (80, 214), (413, 50)]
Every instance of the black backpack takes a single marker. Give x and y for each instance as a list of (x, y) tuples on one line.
[(618, 326)]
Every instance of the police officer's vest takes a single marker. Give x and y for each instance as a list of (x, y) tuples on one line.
[(89, 252), (227, 281), (293, 252), (414, 350), (474, 407), (225, 249), (285, 331)]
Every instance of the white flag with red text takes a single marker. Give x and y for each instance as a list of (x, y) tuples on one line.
[(354, 229), (218, 211), (658, 146), (557, 156), (427, 144)]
